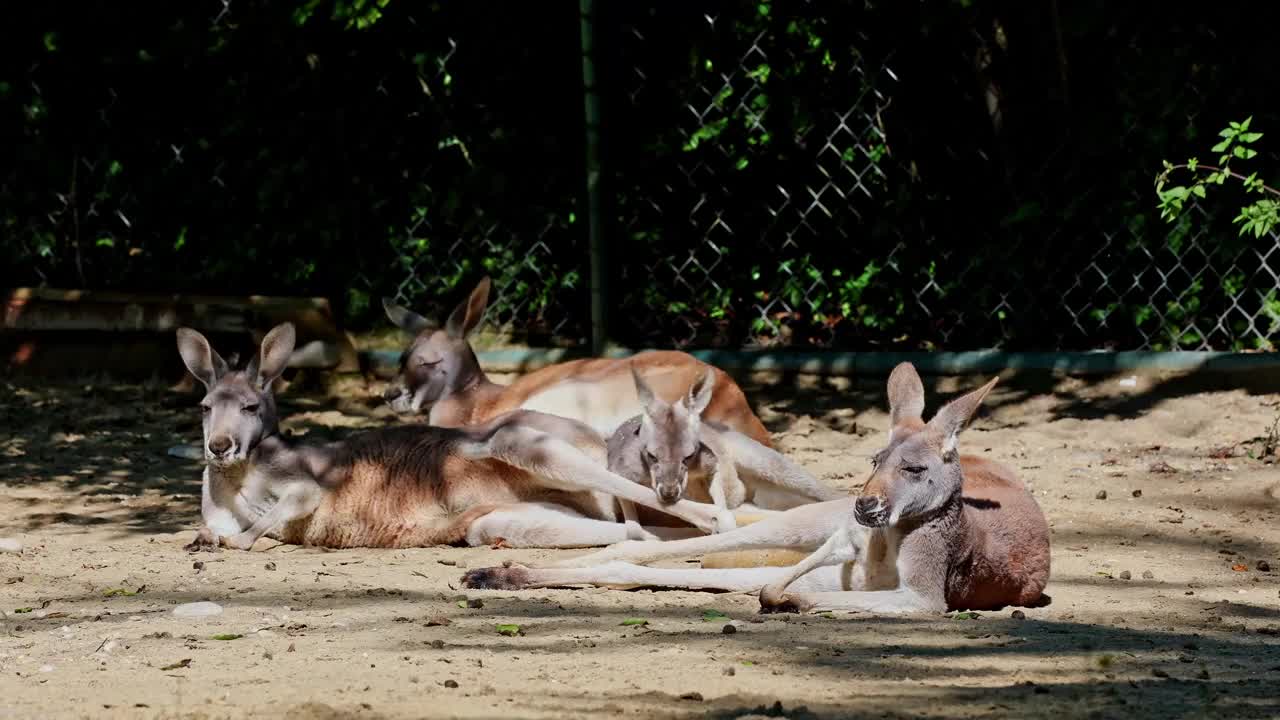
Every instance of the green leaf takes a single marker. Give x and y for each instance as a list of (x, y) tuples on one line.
[(709, 615), (1198, 190), (117, 592), (1191, 164), (228, 636), (1249, 137), (965, 616), (1222, 146), (509, 630), (21, 611)]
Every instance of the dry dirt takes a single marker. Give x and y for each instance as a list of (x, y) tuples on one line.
[(1159, 608)]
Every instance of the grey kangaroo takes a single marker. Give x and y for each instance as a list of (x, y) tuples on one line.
[(671, 448), (931, 530), (523, 478)]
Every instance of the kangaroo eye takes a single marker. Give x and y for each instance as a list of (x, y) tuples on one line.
[(914, 469), (650, 457), (205, 409), (251, 409)]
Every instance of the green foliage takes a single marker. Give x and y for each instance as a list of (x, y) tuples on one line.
[(1258, 217)]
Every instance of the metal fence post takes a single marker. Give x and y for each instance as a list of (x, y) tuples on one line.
[(595, 239)]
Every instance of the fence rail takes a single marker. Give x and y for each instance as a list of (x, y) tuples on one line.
[(846, 175)]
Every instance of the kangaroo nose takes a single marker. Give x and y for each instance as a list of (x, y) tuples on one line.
[(392, 392), (668, 495), (220, 445)]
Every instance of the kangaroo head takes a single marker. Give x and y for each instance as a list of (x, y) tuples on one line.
[(919, 471), (438, 362), (669, 434), (238, 408)]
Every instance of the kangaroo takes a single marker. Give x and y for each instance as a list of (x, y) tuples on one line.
[(523, 478), (931, 530), (440, 375), (670, 448)]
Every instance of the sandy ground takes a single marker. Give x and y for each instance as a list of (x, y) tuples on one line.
[(1160, 608)]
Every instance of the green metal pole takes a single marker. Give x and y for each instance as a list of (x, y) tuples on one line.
[(595, 232)]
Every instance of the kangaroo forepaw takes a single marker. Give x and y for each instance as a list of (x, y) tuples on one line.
[(725, 521), (496, 578), (205, 541)]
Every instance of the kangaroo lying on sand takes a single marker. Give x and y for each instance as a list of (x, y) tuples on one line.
[(670, 448), (932, 530), (523, 478), (439, 374)]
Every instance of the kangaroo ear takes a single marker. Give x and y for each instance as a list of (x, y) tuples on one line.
[(201, 359), (467, 315), (699, 396), (404, 318), (955, 415), (274, 354), (648, 400), (906, 394)]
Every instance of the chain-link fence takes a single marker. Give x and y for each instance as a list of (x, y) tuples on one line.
[(852, 175)]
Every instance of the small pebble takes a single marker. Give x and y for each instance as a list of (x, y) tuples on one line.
[(1148, 575), (10, 545), (1137, 493), (451, 683), (269, 566), (1125, 575), (1203, 674), (1102, 495), (450, 563), (437, 644), (1160, 673), (730, 672), (198, 565), (1263, 566), (197, 609), (694, 696), (729, 629), (1019, 615)]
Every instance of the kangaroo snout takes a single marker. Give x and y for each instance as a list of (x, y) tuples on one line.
[(669, 494), (870, 511), (220, 445), (392, 393)]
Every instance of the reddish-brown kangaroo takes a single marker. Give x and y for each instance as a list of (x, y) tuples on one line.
[(931, 530), (440, 375)]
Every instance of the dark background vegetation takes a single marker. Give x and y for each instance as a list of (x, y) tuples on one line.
[(936, 175)]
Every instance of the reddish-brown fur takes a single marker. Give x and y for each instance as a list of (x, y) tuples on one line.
[(406, 486), (669, 373)]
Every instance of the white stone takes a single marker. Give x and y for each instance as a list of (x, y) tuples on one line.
[(197, 609)]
